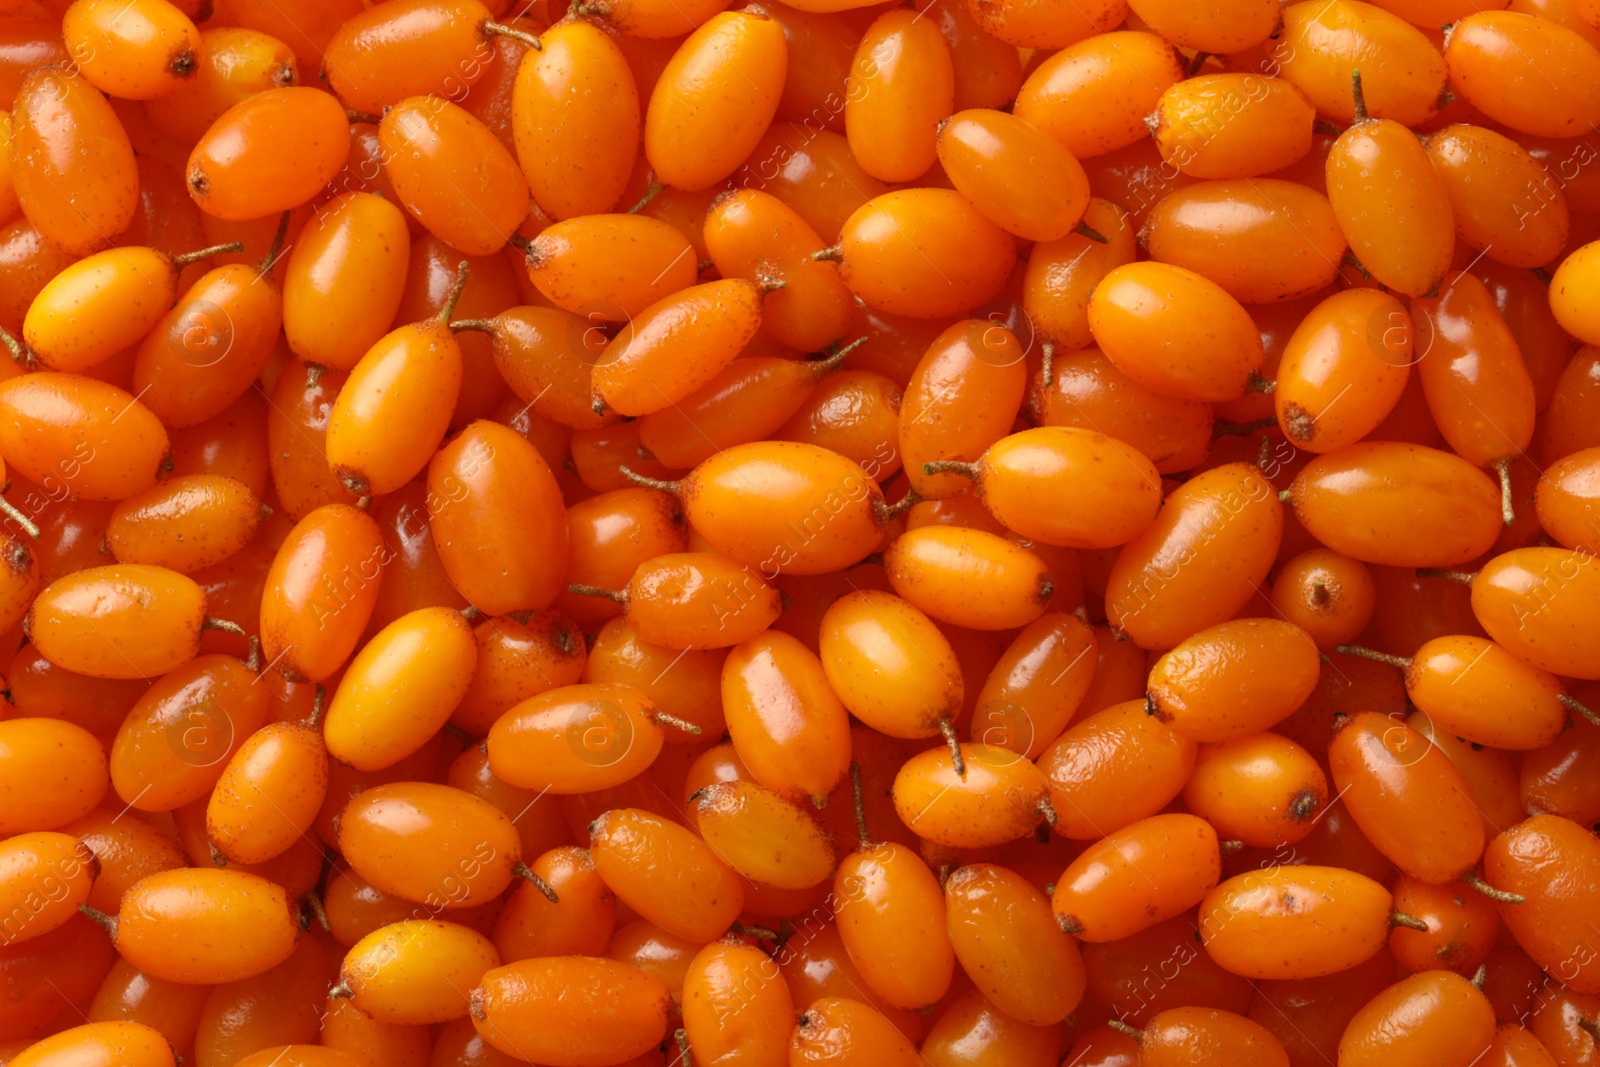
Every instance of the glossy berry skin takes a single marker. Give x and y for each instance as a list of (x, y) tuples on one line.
[(241, 168), (575, 739), (1320, 45), (1490, 60), (79, 435), (320, 591), (1118, 886), (100, 1044), (876, 650), (736, 1005), (1343, 369), (901, 86), (999, 798), (122, 621), (702, 898), (570, 1011), (787, 725), (1530, 601), (1294, 922), (1547, 860), (44, 796), (1266, 667), (1116, 77), (417, 971), (1196, 1035), (892, 919), (1232, 125), (205, 926), (1436, 1016)]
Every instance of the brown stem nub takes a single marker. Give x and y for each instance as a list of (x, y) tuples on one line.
[(515, 34), (352, 115), (644, 201), (212, 623), (206, 253), (1590, 1027), (952, 466), (19, 352), (1359, 96), (1375, 656), (218, 859), (523, 871), (618, 596), (760, 933), (661, 718), (838, 354), (449, 308), (1480, 977), (1543, 275), (1047, 363), (863, 839), (1502, 467), (478, 325), (948, 728), (108, 923), (1083, 229), (253, 660), (1459, 577), (1410, 922), (834, 253), (319, 697), (314, 902), (649, 483), (1326, 128), (1500, 896), (1579, 707), (342, 991), (770, 285), (886, 513), (9, 510), (1258, 384), (1197, 63), (1123, 1028), (1230, 847), (681, 1036), (1047, 811)]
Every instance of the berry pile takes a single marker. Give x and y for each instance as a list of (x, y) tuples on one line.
[(690, 533)]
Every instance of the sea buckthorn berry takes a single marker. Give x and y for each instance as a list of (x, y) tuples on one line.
[(380, 714), (1329, 596), (234, 63), (1565, 499), (546, 356), (609, 268), (695, 600), (1455, 926), (992, 797), (1398, 504), (575, 739), (416, 972), (175, 742), (394, 409), (1215, 26), (379, 56), (788, 727), (736, 1005), (133, 51), (430, 844), (1135, 877), (1232, 125), (1261, 789), (498, 519), (754, 235), (1530, 600), (682, 683), (1206, 1037), (715, 98), (1204, 557), (892, 919), (1036, 686), (571, 1011), (1136, 314), (1407, 798), (356, 243), (1108, 508), (648, 366), (74, 170), (785, 507), (762, 836), (1295, 922), (575, 116), (269, 794), (1550, 923), (125, 850), (268, 153), (185, 524), (1234, 679), (1061, 275), (122, 621), (1391, 204), (43, 878), (901, 87), (453, 174), (1504, 200), (19, 580), (1086, 390), (79, 436), (969, 578), (890, 665), (1433, 1017), (847, 1032), (924, 253), (320, 591), (1506, 704), (1568, 303), (1322, 44), (1006, 939), (608, 537), (102, 304), (129, 1044), (962, 397), (1262, 240), (1015, 173), (1490, 57), (666, 874), (1343, 369), (1093, 96), (205, 926)]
